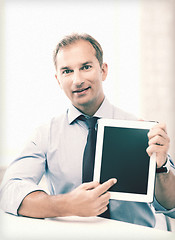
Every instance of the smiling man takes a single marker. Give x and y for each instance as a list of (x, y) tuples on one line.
[(57, 150), (80, 75)]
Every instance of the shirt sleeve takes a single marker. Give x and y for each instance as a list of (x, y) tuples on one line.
[(158, 207), (25, 172)]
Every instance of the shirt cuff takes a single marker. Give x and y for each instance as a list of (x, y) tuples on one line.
[(160, 209)]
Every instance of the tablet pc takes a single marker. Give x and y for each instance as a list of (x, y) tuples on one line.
[(121, 154)]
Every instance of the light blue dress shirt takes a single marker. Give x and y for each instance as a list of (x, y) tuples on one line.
[(56, 150)]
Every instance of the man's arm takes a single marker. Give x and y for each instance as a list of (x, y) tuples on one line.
[(165, 182), (89, 199), (165, 189)]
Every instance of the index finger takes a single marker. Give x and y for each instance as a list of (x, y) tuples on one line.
[(102, 188)]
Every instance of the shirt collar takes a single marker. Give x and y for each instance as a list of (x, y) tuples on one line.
[(104, 111)]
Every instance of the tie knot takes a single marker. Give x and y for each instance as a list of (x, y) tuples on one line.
[(91, 122)]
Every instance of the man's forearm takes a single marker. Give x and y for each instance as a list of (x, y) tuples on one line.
[(165, 189), (41, 205), (89, 199)]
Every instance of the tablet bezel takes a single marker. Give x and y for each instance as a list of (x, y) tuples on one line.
[(98, 157)]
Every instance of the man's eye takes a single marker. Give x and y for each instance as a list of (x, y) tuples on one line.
[(67, 71), (86, 67)]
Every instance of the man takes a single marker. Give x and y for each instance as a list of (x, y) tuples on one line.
[(57, 150)]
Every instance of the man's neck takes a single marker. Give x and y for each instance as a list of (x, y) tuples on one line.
[(89, 109)]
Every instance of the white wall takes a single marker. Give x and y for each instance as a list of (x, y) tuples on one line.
[(157, 80)]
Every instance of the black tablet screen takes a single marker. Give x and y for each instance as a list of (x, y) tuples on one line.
[(124, 157)]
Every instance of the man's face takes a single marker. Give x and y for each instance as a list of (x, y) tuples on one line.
[(80, 76)]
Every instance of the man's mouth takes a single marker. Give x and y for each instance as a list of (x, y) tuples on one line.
[(79, 91)]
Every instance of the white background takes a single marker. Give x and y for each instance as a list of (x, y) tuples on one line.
[(32, 29)]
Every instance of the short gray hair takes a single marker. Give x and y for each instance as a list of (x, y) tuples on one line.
[(68, 40)]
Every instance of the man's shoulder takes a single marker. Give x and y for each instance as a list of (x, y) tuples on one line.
[(59, 119), (119, 113), (53, 122)]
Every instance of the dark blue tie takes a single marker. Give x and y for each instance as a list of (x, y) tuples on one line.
[(89, 155), (89, 151)]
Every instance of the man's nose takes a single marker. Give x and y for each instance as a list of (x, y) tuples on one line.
[(77, 78)]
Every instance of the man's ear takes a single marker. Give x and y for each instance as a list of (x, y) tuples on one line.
[(104, 69), (59, 83)]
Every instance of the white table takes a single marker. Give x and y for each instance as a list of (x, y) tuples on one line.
[(22, 228)]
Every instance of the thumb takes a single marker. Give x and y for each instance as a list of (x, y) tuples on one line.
[(141, 119)]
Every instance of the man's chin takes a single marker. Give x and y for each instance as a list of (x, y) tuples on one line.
[(83, 104)]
